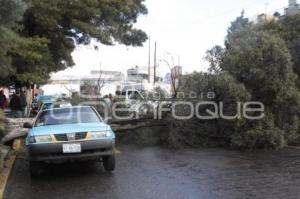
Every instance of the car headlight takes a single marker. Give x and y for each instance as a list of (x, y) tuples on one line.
[(101, 134), (43, 139)]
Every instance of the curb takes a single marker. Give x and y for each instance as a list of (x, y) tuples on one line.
[(8, 165)]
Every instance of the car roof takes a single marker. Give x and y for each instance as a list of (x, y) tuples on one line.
[(48, 102), (45, 97)]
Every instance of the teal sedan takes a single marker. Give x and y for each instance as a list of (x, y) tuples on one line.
[(69, 134)]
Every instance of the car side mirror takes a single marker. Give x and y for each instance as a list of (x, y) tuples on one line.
[(27, 125)]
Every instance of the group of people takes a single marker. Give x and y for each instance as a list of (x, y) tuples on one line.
[(17, 103)]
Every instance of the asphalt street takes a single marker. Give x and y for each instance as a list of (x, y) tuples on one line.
[(153, 172)]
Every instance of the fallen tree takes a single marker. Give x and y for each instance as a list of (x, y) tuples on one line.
[(17, 130), (120, 126)]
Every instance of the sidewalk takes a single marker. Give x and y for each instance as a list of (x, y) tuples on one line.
[(9, 146)]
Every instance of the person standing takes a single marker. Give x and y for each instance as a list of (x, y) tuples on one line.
[(108, 102), (3, 100), (23, 103), (110, 97), (28, 94), (15, 105)]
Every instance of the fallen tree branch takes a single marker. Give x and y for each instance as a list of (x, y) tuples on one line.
[(128, 127), (131, 121), (118, 126), (14, 134)]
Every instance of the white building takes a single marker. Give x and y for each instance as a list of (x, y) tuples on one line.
[(137, 75), (108, 80)]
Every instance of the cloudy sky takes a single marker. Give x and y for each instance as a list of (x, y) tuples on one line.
[(183, 29)]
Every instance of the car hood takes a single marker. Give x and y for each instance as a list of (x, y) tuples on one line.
[(68, 128)]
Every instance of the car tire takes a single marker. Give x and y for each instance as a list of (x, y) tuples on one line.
[(109, 162), (35, 169)]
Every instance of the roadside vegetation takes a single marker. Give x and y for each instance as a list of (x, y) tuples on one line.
[(260, 62)]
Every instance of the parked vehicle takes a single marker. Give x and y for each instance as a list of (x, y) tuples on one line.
[(69, 134), (39, 100), (51, 104), (135, 101)]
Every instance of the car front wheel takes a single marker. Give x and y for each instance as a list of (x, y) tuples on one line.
[(109, 162)]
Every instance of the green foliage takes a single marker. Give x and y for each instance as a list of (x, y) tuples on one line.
[(37, 37), (216, 132), (288, 29), (260, 62), (259, 134), (6, 37), (10, 12), (214, 57), (291, 34), (32, 60), (241, 23), (67, 23), (233, 133), (263, 63)]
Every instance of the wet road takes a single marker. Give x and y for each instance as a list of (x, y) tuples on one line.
[(161, 173)]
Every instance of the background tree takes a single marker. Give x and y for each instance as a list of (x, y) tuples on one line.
[(10, 12), (67, 23), (214, 57), (288, 29), (290, 32), (258, 63), (241, 23), (51, 30), (262, 62)]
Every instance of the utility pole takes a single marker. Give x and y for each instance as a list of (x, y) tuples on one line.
[(155, 64), (149, 62)]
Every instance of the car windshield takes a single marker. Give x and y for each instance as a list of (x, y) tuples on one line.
[(67, 116)]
